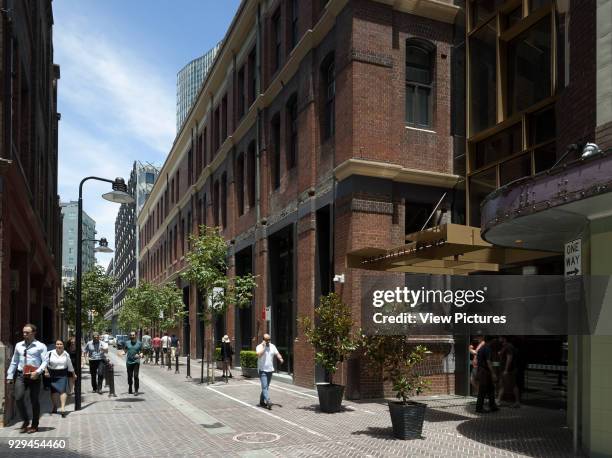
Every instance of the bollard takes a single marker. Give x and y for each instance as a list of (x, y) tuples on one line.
[(176, 369), (188, 366), (162, 358), (110, 379), (169, 359)]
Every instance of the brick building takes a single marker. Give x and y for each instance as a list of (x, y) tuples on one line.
[(322, 127), (30, 219)]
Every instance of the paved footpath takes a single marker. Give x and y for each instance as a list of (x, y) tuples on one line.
[(175, 416)]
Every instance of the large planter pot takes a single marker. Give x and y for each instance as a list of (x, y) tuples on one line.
[(407, 419), (250, 372), (330, 397)]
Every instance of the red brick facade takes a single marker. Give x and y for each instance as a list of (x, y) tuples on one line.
[(367, 44)]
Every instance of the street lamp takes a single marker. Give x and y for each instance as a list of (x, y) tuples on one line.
[(119, 195)]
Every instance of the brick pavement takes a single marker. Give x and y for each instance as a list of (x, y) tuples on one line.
[(179, 417)]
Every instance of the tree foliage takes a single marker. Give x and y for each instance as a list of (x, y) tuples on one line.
[(207, 269), (96, 296), (331, 334), (398, 358), (150, 303)]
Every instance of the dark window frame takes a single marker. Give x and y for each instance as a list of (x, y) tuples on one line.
[(277, 40), (418, 87), (275, 139), (329, 97), (292, 132)]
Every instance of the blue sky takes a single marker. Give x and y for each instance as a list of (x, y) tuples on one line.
[(117, 92)]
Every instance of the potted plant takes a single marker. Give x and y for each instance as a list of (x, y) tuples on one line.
[(333, 340), (248, 363), (398, 358)]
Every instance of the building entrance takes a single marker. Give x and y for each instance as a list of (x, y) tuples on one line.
[(282, 294)]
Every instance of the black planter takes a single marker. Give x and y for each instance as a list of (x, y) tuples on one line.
[(330, 397), (250, 372), (407, 419)]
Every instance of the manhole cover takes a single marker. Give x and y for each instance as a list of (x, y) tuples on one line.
[(256, 437)]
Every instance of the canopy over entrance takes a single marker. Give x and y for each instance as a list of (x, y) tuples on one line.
[(451, 249)]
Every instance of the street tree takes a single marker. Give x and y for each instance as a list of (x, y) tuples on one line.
[(152, 304), (207, 269), (96, 296)]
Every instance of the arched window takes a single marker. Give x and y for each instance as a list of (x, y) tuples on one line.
[(419, 83)]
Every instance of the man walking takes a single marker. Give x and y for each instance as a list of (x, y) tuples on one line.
[(486, 377), (28, 363), (146, 346), (156, 348), (166, 341), (266, 352), (133, 353), (96, 351)]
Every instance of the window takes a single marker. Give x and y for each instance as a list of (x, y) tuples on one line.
[(224, 116), (216, 130), (189, 167), (483, 95), (529, 67), (199, 155), (251, 173), (275, 136), (240, 183), (224, 199), (240, 94), (276, 40), (178, 185), (149, 178), (294, 23), (329, 86), (419, 83), (252, 76), (292, 132), (203, 148), (216, 203)]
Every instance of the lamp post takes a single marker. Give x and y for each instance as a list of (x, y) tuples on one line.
[(118, 195)]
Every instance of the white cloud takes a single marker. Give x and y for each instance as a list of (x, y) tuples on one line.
[(115, 109)]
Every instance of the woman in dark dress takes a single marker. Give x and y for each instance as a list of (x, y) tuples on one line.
[(71, 349), (226, 356), (59, 366)]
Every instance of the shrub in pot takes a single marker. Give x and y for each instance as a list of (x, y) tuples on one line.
[(398, 358), (248, 363), (332, 336)]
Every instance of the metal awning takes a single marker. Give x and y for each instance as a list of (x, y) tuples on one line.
[(451, 249)]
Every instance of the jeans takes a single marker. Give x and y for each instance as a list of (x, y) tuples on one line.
[(265, 378), (21, 385), (132, 372), (486, 388), (96, 370), (156, 356)]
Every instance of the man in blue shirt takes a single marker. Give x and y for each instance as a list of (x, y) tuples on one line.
[(133, 353), (28, 363)]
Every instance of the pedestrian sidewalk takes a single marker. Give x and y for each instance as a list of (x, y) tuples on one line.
[(176, 416)]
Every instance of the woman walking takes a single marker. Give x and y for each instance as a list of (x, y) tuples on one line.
[(71, 349), (58, 368), (226, 356)]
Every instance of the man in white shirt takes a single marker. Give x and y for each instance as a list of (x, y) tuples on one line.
[(166, 342), (266, 352), (28, 363)]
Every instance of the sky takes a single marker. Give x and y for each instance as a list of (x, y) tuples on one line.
[(117, 92)]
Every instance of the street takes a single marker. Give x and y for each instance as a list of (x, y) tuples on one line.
[(175, 416)]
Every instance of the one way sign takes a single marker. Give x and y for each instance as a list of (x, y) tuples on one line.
[(573, 258)]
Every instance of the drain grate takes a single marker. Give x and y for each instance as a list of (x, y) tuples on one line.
[(256, 437)]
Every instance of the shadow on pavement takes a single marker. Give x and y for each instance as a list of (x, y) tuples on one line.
[(436, 415), (385, 433), (130, 400), (533, 437), (317, 408)]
